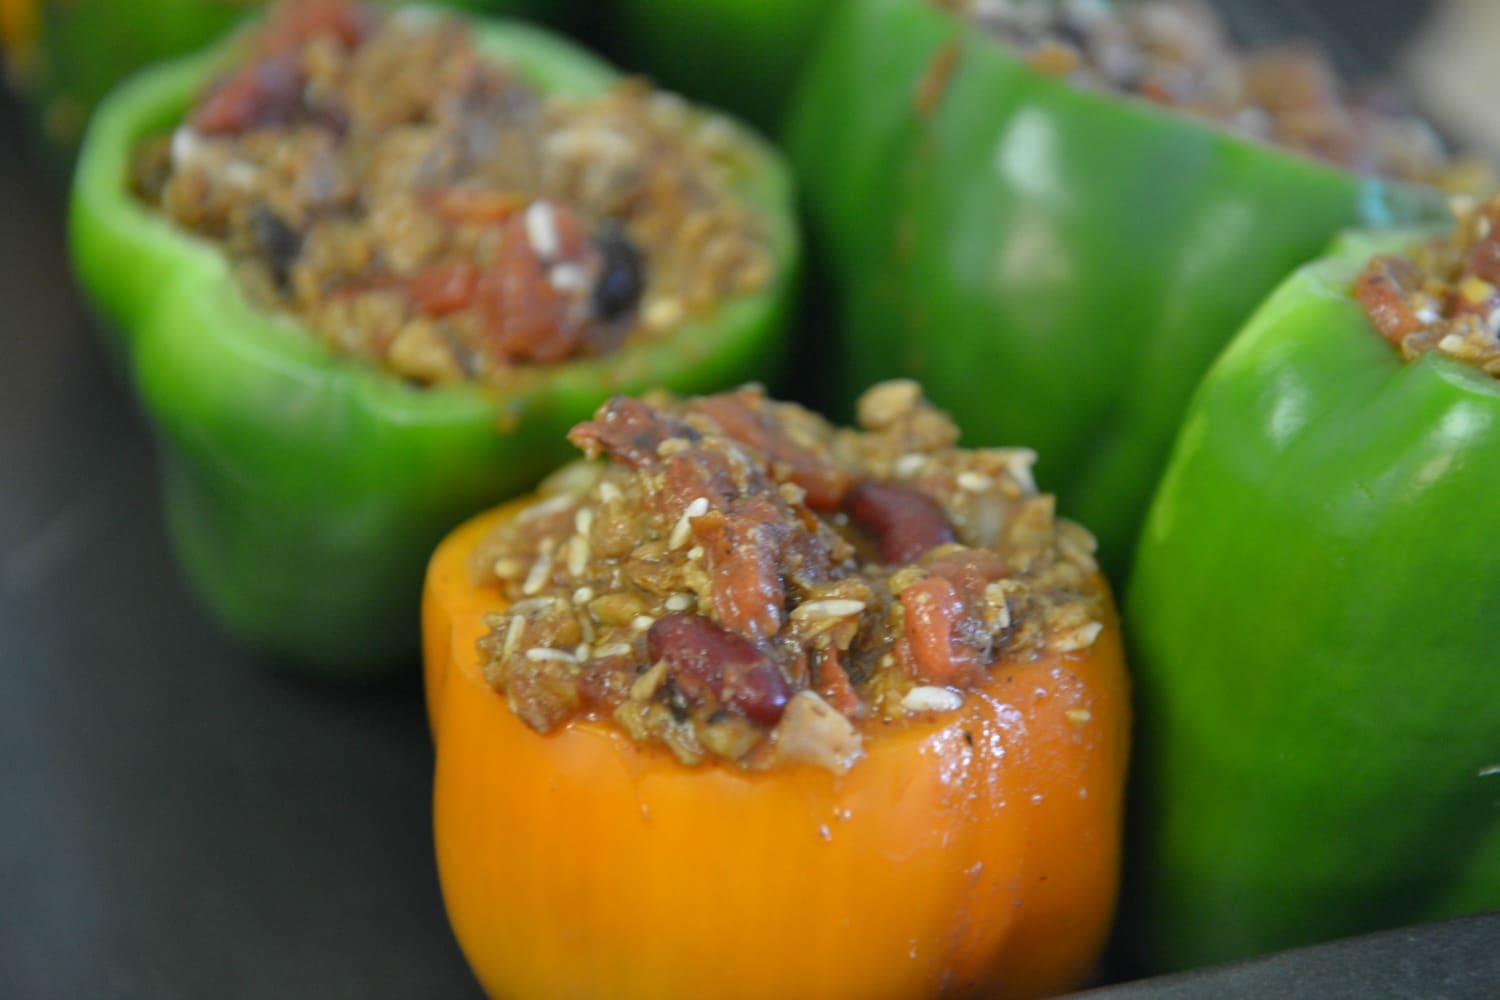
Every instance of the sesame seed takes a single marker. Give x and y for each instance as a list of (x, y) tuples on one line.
[(641, 623), (646, 684), (932, 699), (682, 530), (583, 595), (1021, 461), (508, 568), (830, 608), (1081, 637), (537, 578), (581, 654), (185, 145), (541, 229), (542, 653), (974, 482), (678, 602), (578, 555), (1476, 290), (241, 174), (663, 314), (909, 465), (609, 492), (1078, 716), (568, 278), (696, 552), (613, 649), (583, 521), (545, 507), (513, 629)]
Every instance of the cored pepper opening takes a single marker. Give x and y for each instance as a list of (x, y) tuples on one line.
[(361, 304), (693, 721), (1055, 216), (1311, 618)]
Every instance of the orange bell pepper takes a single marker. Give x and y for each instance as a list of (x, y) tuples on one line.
[(975, 851)]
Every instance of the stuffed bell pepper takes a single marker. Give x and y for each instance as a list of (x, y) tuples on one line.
[(1055, 214), (1313, 609), (751, 706), (367, 269)]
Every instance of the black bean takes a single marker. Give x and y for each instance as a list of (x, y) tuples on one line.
[(279, 242), (622, 273), (708, 663)]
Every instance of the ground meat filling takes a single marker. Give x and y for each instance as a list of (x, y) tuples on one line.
[(1178, 53), (741, 580), (1443, 295), (425, 208)]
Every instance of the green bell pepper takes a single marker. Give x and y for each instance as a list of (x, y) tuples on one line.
[(1314, 640), (65, 56), (744, 55), (304, 491), (1057, 265)]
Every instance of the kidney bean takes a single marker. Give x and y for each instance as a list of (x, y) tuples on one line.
[(268, 92), (903, 521), (709, 664)]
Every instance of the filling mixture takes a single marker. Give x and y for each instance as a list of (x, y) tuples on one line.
[(1443, 295), (426, 208), (742, 580), (1178, 53)]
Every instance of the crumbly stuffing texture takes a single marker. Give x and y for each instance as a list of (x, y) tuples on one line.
[(732, 577), (1178, 53), (1443, 295), (425, 208)]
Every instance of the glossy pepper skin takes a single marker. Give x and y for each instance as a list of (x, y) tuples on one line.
[(745, 55), (1057, 266), (1313, 637), (933, 866), (67, 54), (304, 491)]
